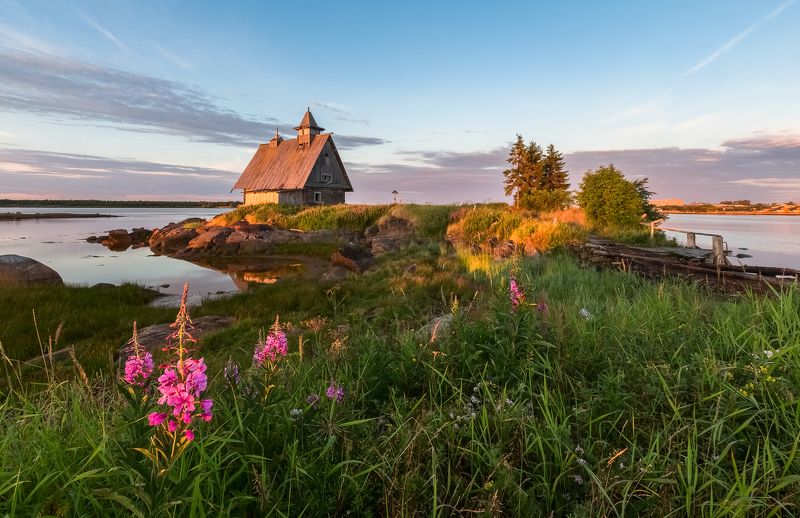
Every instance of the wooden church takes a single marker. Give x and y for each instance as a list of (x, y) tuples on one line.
[(306, 170)]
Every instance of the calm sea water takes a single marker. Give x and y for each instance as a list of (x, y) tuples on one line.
[(61, 244), (771, 240)]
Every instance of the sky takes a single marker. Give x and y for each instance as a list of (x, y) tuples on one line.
[(169, 99)]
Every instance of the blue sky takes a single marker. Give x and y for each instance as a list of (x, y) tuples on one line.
[(170, 99)]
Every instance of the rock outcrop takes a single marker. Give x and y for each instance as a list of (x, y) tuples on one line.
[(120, 239), (16, 270), (391, 234), (172, 238), (152, 338), (354, 257)]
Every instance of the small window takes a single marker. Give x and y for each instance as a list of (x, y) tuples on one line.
[(326, 177), (317, 197)]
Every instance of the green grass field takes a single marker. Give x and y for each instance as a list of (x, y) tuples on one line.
[(624, 398)]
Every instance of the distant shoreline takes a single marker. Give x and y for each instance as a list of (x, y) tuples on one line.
[(18, 216), (734, 213), (144, 204)]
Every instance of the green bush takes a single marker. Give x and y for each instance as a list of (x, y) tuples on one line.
[(610, 201)]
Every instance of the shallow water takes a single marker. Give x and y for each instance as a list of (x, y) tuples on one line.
[(61, 244), (770, 240)]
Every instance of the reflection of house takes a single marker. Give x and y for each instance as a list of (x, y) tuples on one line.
[(303, 170)]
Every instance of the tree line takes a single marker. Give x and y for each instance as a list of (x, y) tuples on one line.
[(538, 180)]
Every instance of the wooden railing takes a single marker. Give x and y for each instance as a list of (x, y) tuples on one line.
[(718, 256)]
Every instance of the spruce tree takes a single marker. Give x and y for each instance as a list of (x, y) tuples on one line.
[(518, 181), (554, 175), (537, 181)]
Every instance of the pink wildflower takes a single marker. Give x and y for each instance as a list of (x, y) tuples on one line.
[(138, 366), (206, 405), (182, 383), (273, 348), (156, 418), (335, 392), (516, 294), (138, 369)]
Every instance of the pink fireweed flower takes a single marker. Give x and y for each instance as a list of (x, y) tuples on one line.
[(335, 392), (138, 369), (206, 414), (182, 383), (156, 418), (138, 366), (271, 349), (515, 293)]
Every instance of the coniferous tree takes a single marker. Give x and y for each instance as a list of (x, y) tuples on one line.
[(554, 170), (518, 181), (537, 181)]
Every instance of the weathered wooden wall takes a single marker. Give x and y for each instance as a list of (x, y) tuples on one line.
[(258, 197), (329, 195), (326, 164)]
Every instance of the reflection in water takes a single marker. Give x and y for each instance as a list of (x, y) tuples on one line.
[(263, 270)]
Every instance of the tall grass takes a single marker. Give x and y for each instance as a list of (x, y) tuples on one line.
[(624, 398)]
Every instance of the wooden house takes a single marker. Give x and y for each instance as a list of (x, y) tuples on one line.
[(299, 171)]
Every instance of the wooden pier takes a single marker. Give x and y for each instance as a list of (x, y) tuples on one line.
[(694, 264)]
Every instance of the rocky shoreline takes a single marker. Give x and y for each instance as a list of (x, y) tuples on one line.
[(245, 244)]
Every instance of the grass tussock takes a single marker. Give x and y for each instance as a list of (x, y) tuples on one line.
[(602, 395)]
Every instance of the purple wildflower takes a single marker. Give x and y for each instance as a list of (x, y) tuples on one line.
[(313, 399), (516, 294), (542, 307), (232, 372), (335, 392)]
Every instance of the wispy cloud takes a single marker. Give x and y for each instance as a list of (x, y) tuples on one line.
[(34, 172), (334, 107), (107, 34), (644, 109), (62, 87), (731, 43), (172, 58)]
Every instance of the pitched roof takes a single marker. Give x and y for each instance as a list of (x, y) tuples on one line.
[(309, 122), (286, 166)]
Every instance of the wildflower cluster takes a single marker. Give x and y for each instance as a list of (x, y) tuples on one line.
[(271, 350), (181, 390), (335, 392), (138, 366), (182, 383), (515, 293)]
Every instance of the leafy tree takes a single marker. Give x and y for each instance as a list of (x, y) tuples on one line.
[(645, 194), (609, 200), (537, 181)]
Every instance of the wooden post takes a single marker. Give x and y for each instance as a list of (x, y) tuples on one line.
[(719, 250), (652, 229), (691, 240)]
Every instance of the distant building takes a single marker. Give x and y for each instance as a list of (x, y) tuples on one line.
[(671, 201), (306, 170)]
